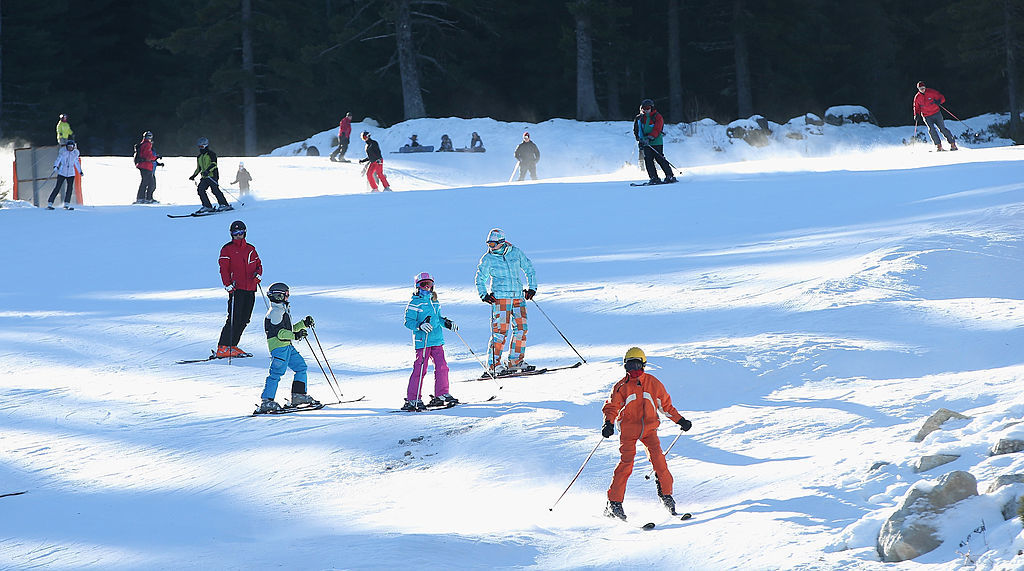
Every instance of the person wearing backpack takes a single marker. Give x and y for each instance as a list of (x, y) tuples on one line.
[(146, 162)]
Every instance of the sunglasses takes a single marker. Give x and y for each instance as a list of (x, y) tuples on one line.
[(634, 365)]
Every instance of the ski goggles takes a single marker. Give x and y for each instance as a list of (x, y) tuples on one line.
[(646, 107), (425, 284), (238, 232), (634, 365), (495, 245)]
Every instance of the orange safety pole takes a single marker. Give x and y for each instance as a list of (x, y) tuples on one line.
[(78, 186), (15, 165)]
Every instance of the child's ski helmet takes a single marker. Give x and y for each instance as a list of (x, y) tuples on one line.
[(421, 277), (278, 292), (635, 353)]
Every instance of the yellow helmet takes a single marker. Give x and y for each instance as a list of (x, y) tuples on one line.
[(635, 353)]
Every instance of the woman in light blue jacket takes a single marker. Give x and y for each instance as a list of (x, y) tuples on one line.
[(423, 317), (499, 283)]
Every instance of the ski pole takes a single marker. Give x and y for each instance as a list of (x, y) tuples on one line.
[(915, 126), (659, 154), (648, 476), (326, 362), (264, 297), (559, 331), (962, 124), (231, 319), (426, 361), (514, 170), (222, 189), (552, 508), (322, 369), (489, 372)]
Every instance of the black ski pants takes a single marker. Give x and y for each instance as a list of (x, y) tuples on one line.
[(650, 156), (62, 180), (525, 166), (933, 121), (240, 304), (341, 150), (209, 183), (147, 186)]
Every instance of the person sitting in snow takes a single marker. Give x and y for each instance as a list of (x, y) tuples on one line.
[(413, 141), (446, 144), (280, 334), (634, 403), (423, 317), (928, 104), (476, 144), (648, 129)]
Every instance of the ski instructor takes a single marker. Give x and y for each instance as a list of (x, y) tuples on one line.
[(648, 129), (240, 272), (498, 283), (635, 402)]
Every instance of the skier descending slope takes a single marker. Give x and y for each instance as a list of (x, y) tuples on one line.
[(423, 317), (648, 128), (635, 402), (280, 334), (498, 283)]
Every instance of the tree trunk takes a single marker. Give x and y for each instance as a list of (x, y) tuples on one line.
[(675, 72), (1010, 43), (411, 96), (744, 101), (248, 82), (586, 99), (614, 106)]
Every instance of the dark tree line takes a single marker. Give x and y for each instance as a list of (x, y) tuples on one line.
[(255, 74)]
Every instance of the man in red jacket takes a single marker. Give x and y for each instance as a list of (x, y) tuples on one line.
[(240, 271), (927, 103), (635, 402), (344, 132), (146, 161)]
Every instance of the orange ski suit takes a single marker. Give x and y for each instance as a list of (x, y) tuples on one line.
[(635, 403)]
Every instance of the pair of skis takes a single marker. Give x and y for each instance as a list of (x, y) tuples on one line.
[(289, 408), (213, 357), (531, 372)]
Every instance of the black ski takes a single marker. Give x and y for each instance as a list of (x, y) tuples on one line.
[(197, 214), (649, 183), (429, 408), (13, 494), (287, 409), (212, 357)]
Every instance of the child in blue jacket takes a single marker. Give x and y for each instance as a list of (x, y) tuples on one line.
[(423, 317)]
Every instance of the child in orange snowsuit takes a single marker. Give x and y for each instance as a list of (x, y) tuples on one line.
[(634, 403)]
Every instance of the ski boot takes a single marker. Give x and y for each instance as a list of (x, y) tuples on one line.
[(435, 402), (304, 399), (670, 179), (236, 352), (140, 201), (224, 207), (614, 509), (269, 406), (415, 405), (66, 207), (670, 504), (520, 367), (449, 400), (49, 206), (223, 352), (654, 181), (939, 147), (205, 210), (952, 146)]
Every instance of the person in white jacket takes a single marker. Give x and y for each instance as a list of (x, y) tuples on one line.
[(68, 160)]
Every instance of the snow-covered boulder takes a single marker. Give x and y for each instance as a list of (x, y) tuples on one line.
[(926, 463), (754, 131), (936, 420), (912, 529), (1004, 480), (800, 127), (1006, 446), (841, 114)]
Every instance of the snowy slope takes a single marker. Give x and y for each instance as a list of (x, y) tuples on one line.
[(805, 314)]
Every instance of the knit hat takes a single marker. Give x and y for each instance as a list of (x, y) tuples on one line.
[(496, 235)]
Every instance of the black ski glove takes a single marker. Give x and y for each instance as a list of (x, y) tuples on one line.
[(193, 177), (529, 294), (608, 429), (489, 298), (308, 321), (684, 424), (301, 333), (449, 324)]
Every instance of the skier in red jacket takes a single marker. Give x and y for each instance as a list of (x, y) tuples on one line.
[(240, 272), (146, 163), (927, 103), (344, 132), (635, 402)]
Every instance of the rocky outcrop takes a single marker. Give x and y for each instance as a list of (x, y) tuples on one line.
[(911, 530), (936, 420), (926, 463), (1006, 446), (754, 131), (841, 114)]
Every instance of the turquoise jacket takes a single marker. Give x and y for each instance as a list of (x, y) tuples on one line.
[(500, 270), (423, 305)]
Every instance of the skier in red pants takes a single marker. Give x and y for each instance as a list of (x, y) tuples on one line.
[(375, 168), (635, 402)]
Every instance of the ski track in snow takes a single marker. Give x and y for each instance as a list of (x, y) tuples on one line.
[(806, 314)]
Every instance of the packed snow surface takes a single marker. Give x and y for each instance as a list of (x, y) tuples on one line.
[(807, 307)]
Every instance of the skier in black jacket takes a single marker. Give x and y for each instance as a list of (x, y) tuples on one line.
[(206, 165), (375, 168)]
